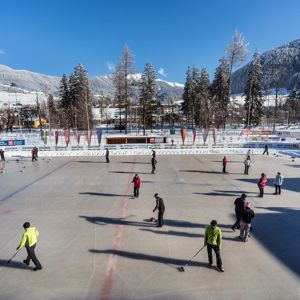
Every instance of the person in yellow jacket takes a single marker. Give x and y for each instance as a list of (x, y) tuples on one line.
[(29, 240), (213, 241)]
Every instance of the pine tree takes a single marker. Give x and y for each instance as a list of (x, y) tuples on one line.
[(81, 100), (65, 102), (292, 106), (148, 98), (202, 105), (220, 94), (253, 93), (190, 93)]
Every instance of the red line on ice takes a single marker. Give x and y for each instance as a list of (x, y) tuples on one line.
[(112, 261), (5, 212)]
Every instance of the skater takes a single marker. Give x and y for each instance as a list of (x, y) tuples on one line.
[(34, 153), (262, 184), (161, 210), (153, 163), (239, 207), (213, 241), (136, 185), (29, 240), (224, 164), (247, 216), (278, 183), (266, 149), (107, 155), (247, 164), (2, 156)]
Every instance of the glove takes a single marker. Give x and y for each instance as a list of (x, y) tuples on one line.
[(153, 210), (17, 248)]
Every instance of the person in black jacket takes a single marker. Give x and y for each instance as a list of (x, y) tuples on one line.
[(239, 207), (107, 155), (153, 153), (153, 163), (247, 216), (2, 156), (161, 210), (266, 150)]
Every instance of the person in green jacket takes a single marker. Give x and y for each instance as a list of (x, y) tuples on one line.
[(213, 241), (29, 240)]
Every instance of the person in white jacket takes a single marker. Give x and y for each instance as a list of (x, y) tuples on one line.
[(247, 163), (278, 183)]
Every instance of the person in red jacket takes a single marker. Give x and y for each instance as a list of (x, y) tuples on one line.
[(224, 164), (262, 184), (136, 185)]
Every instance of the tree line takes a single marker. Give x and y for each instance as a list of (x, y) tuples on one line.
[(205, 103)]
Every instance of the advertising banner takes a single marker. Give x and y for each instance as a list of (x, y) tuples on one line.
[(8, 143)]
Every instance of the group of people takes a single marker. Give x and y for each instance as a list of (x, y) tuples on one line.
[(244, 214), (213, 234)]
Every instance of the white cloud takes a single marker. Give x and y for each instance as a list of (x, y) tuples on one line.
[(110, 66), (2, 51), (162, 72)]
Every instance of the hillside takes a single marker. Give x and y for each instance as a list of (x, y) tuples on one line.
[(26, 82), (286, 58)]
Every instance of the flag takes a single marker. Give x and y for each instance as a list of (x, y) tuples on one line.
[(77, 136), (67, 137), (194, 135), (89, 137), (45, 137), (215, 134), (183, 134), (56, 137), (205, 135), (99, 135)]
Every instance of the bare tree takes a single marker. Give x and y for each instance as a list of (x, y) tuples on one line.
[(237, 51)]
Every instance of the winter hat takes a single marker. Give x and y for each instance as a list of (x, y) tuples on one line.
[(26, 225), (244, 196), (247, 204), (155, 195)]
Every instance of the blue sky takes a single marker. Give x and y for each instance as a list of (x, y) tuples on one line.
[(52, 37)]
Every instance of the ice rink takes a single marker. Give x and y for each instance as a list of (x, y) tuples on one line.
[(96, 243)]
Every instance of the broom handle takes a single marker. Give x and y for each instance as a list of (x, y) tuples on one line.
[(14, 255), (195, 255)]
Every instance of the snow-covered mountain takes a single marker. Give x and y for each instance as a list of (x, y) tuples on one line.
[(26, 82), (286, 58)]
